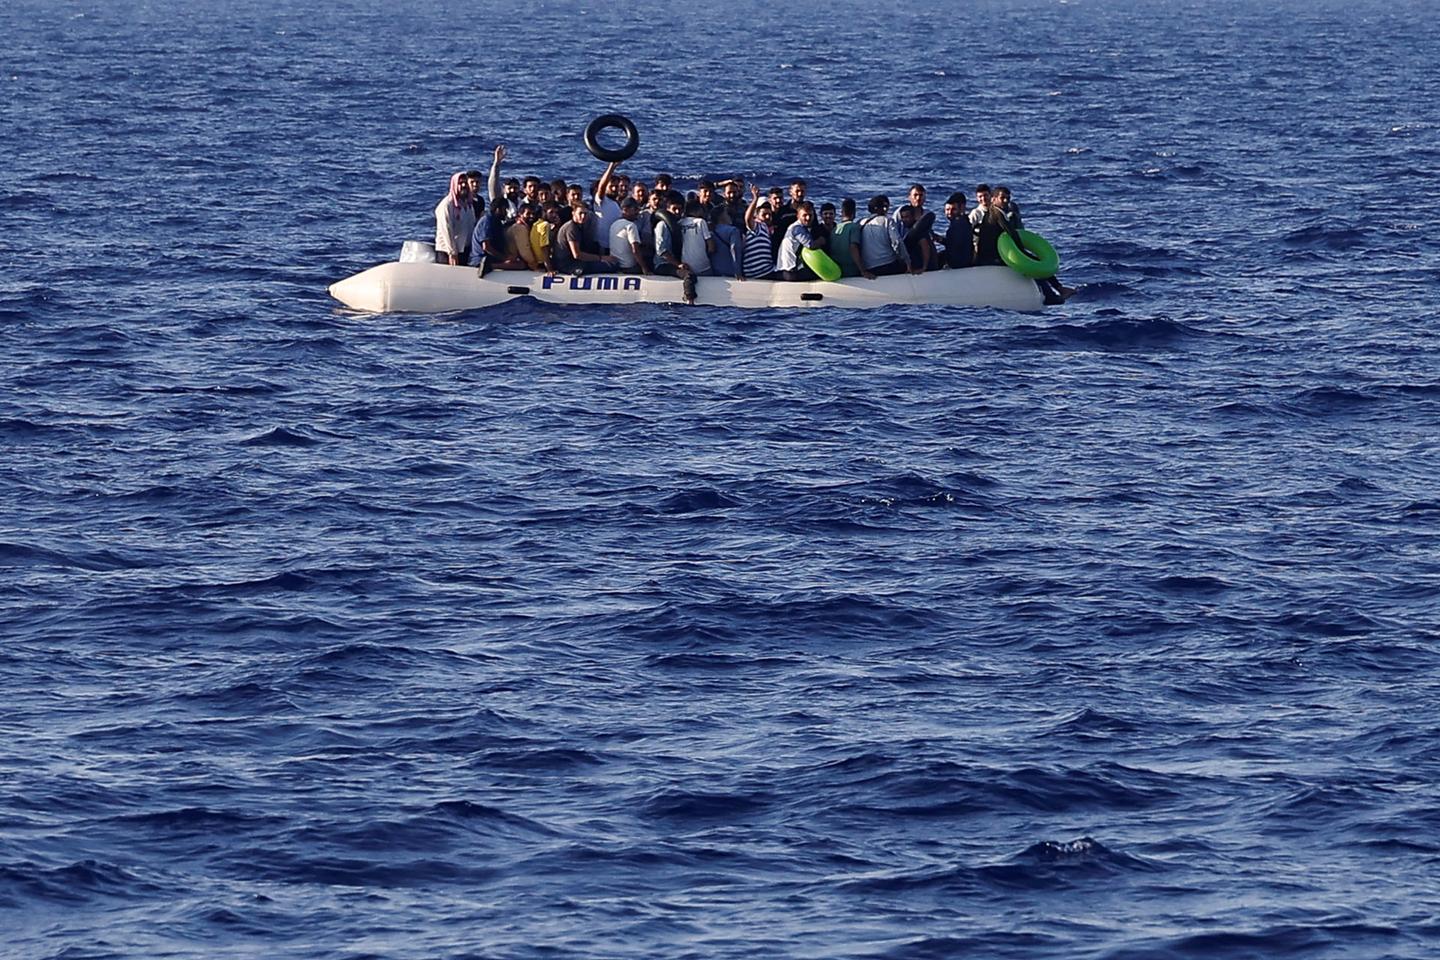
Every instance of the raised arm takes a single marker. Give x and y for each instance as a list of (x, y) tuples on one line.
[(602, 189), (494, 184), (750, 210)]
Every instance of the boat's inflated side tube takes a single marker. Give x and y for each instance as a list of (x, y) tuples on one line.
[(1038, 260), (819, 261), (612, 120)]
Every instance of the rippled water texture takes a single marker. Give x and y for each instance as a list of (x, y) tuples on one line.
[(652, 632)]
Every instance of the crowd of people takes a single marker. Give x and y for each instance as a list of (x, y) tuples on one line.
[(635, 227)]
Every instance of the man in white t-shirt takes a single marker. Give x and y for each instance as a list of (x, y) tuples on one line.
[(982, 205), (625, 239), (606, 205)]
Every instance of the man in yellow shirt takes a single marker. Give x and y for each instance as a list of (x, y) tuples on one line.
[(517, 238), (542, 235)]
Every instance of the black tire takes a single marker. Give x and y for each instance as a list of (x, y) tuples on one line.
[(632, 138)]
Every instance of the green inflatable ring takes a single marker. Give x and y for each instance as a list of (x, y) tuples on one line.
[(1038, 260), (820, 262)]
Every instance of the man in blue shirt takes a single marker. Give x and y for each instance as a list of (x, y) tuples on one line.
[(487, 243)]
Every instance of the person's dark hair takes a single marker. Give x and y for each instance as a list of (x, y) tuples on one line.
[(878, 203), (705, 185), (629, 204), (917, 186), (511, 182), (673, 198), (957, 198), (550, 208), (798, 182), (906, 208), (982, 188), (472, 174), (694, 209), (1001, 188), (847, 207), (499, 205), (827, 206), (530, 180), (805, 205), (663, 181)]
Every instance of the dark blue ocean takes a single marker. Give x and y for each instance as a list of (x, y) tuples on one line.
[(1111, 632)]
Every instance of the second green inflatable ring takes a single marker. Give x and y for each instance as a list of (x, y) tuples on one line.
[(1038, 260)]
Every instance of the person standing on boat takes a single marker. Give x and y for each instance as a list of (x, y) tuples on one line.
[(454, 222), (798, 236), (607, 206), (758, 258), (878, 247), (669, 248)]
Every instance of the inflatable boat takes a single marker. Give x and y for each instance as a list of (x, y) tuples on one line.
[(416, 284)]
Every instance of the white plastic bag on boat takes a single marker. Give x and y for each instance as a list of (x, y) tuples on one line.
[(417, 251)]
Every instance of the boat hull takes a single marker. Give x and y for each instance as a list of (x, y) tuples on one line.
[(403, 287)]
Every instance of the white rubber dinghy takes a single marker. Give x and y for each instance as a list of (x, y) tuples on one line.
[(438, 288)]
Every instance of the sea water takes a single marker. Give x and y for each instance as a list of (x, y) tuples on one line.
[(1108, 632)]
